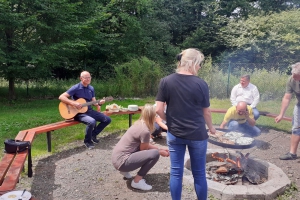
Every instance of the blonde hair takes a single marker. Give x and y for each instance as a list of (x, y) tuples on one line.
[(148, 116), (296, 68), (189, 59)]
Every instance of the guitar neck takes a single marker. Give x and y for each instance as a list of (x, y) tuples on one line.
[(90, 103), (94, 102)]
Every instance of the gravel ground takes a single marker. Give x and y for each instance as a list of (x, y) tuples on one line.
[(81, 174)]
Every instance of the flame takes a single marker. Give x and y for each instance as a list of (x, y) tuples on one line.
[(238, 162)]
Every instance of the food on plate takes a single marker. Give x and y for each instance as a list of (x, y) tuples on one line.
[(123, 109), (113, 107), (12, 196), (232, 138), (217, 134), (233, 135), (244, 140)]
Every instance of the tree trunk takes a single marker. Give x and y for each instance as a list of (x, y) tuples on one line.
[(11, 90)]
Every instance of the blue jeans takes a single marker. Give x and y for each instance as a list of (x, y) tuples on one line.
[(243, 128), (255, 113), (90, 118), (197, 151)]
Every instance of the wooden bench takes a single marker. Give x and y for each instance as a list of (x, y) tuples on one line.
[(12, 164), (62, 124), (262, 113)]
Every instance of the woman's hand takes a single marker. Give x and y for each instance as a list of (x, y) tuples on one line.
[(164, 152)]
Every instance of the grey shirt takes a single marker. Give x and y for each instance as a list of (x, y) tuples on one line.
[(130, 142), (293, 86)]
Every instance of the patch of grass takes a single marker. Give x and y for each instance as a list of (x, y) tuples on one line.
[(289, 193), (26, 114), (211, 197)]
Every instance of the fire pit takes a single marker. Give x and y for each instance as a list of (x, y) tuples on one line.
[(239, 176)]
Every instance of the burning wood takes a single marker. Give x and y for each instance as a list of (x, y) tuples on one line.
[(229, 171), (238, 162), (231, 161), (214, 155)]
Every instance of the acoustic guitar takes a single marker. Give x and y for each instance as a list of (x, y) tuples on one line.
[(68, 112)]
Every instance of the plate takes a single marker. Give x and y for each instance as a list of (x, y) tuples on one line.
[(114, 110), (233, 144), (133, 107), (15, 195)]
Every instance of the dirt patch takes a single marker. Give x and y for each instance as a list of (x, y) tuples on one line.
[(78, 173)]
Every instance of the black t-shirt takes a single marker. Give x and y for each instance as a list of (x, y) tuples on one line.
[(185, 96)]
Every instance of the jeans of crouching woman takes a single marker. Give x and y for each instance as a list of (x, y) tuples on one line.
[(197, 150)]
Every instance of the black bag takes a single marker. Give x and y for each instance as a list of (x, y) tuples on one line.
[(14, 146)]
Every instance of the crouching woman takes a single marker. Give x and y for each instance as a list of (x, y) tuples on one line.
[(134, 151)]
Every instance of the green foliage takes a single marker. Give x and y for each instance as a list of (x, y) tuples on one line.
[(137, 77), (36, 38), (267, 88), (264, 38), (140, 78), (42, 40), (270, 83)]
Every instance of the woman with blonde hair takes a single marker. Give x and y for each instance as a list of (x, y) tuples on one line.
[(187, 115), (134, 151)]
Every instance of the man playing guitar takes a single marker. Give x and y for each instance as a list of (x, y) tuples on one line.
[(83, 90)]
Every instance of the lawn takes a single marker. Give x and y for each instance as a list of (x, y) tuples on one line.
[(27, 114)]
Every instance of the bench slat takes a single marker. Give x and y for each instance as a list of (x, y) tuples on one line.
[(12, 176), (21, 135), (53, 126), (4, 165), (8, 158), (30, 136)]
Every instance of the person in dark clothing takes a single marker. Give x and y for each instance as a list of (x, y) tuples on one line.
[(187, 115)]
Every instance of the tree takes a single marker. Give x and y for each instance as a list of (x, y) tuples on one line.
[(264, 39), (39, 36)]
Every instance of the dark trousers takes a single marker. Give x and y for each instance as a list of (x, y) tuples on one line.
[(90, 119)]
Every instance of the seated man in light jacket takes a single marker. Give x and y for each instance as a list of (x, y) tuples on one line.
[(246, 91)]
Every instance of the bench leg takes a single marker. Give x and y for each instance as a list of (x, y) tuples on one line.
[(130, 119), (29, 163), (49, 140)]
